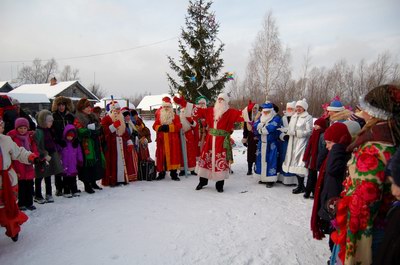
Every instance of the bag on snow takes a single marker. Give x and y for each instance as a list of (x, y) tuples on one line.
[(147, 170)]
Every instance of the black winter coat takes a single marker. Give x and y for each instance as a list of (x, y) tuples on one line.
[(335, 171), (389, 250), (60, 121)]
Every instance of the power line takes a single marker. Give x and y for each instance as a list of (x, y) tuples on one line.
[(96, 54)]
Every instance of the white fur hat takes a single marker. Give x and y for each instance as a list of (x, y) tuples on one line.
[(224, 96), (291, 104), (302, 103)]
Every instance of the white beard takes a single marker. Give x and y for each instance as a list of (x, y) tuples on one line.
[(118, 116), (166, 117), (220, 109), (267, 118), (185, 124)]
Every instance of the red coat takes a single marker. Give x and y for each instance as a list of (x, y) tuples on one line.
[(213, 163), (191, 142), (110, 153), (24, 171), (168, 152)]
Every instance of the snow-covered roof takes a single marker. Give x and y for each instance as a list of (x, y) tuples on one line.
[(122, 102), (151, 102), (2, 83), (29, 97), (47, 89)]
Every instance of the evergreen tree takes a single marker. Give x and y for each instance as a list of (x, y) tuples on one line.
[(200, 52)]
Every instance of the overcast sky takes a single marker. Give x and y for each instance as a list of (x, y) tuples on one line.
[(45, 29)]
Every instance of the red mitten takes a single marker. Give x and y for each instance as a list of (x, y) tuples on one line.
[(31, 158), (180, 101), (117, 123)]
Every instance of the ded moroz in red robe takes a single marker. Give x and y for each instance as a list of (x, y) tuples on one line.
[(168, 152), (189, 129), (213, 162), (118, 168)]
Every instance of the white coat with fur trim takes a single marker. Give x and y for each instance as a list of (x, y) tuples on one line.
[(299, 131)]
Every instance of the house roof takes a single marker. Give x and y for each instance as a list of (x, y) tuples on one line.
[(151, 102), (48, 90), (5, 86), (29, 97), (122, 102)]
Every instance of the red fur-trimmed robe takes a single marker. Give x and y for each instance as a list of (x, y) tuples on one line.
[(168, 152), (111, 156), (213, 163), (191, 143)]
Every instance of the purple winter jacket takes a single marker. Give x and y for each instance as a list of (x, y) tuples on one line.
[(71, 154)]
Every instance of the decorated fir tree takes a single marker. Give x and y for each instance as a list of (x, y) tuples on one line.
[(200, 64)]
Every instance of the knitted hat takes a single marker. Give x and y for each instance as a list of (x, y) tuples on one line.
[(302, 103), (335, 105), (224, 96), (82, 104), (353, 127), (166, 101), (20, 122), (321, 122), (338, 133)]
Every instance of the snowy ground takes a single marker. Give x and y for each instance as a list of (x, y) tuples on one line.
[(168, 222)]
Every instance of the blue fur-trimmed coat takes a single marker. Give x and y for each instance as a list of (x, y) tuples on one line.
[(267, 148)]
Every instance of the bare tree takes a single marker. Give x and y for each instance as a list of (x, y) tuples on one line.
[(37, 73), (268, 59), (97, 90), (69, 74), (135, 99)]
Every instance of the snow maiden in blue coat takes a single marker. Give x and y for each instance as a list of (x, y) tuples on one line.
[(266, 129)]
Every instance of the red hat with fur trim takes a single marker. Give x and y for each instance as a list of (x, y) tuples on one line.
[(338, 133), (166, 101)]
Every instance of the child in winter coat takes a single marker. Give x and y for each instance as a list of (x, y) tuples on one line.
[(71, 157), (311, 156), (10, 216), (26, 173), (47, 150)]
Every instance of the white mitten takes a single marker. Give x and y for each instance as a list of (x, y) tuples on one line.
[(91, 126), (291, 133), (264, 130), (48, 158), (259, 126)]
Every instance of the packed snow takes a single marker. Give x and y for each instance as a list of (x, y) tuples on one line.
[(169, 222)]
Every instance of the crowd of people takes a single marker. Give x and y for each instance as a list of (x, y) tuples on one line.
[(347, 162)]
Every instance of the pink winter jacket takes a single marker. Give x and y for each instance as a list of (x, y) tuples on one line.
[(24, 172)]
